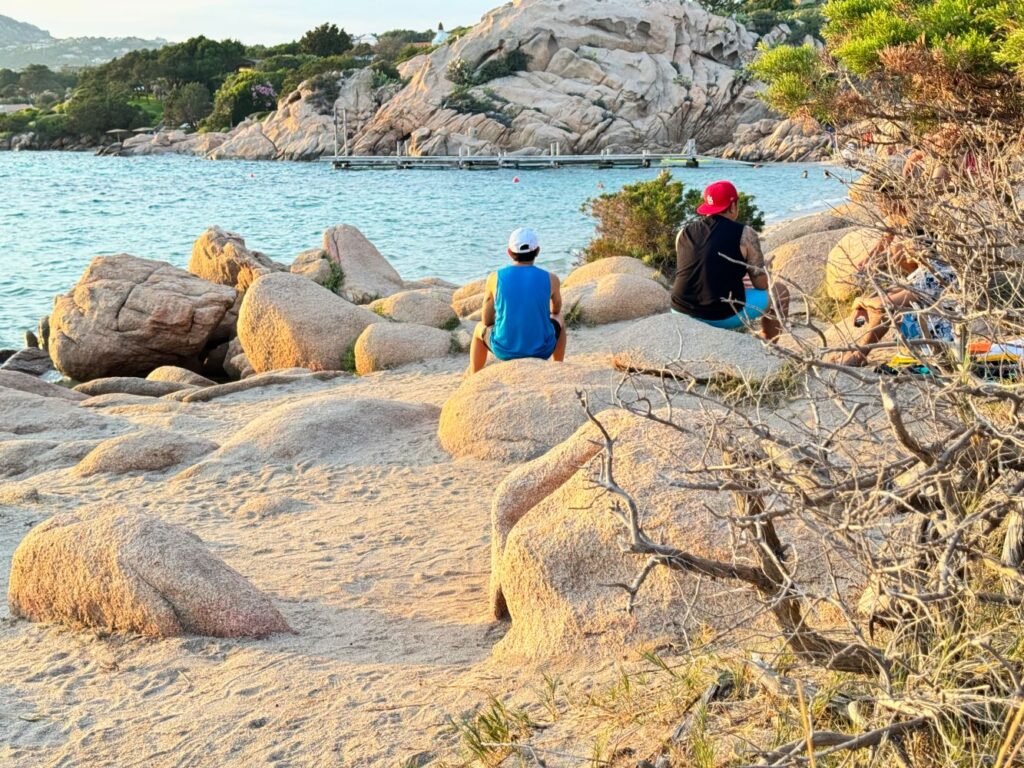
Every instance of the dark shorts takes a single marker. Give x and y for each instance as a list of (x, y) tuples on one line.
[(490, 329)]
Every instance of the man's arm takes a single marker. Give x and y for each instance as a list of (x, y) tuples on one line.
[(487, 315), (750, 247), (556, 294), (684, 248)]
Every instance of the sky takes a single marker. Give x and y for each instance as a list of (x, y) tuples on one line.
[(251, 21)]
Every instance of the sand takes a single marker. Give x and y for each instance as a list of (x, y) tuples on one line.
[(380, 565)]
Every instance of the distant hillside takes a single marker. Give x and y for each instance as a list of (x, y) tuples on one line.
[(22, 44)]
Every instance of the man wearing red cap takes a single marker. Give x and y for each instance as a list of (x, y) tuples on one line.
[(714, 255)]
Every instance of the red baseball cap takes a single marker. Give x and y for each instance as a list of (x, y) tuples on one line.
[(718, 197)]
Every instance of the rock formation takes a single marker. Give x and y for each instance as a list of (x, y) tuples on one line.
[(366, 275), (150, 450), (614, 297), (127, 316), (789, 140), (597, 75), (288, 321), (517, 410), (424, 306), (389, 345), (116, 570), (221, 257), (677, 345)]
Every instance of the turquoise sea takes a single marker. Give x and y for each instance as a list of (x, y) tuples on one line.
[(61, 209)]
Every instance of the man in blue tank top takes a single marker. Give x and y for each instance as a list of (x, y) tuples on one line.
[(522, 312)]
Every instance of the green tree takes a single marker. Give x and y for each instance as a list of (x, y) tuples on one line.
[(642, 219), (325, 40), (243, 94), (93, 111), (188, 104), (905, 58)]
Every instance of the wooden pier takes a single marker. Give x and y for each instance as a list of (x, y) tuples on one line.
[(515, 162)]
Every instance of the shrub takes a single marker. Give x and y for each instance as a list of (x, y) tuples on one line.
[(94, 111), (188, 104), (325, 40), (642, 220), (461, 73), (243, 94)]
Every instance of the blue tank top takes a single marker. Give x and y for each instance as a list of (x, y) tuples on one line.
[(522, 314)]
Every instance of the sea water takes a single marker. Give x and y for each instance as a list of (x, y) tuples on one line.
[(61, 209)]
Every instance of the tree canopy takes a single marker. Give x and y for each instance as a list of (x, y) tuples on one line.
[(325, 40)]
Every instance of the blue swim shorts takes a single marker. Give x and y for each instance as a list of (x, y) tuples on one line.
[(755, 304)]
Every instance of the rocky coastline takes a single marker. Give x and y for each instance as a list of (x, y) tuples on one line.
[(282, 429), (602, 75)]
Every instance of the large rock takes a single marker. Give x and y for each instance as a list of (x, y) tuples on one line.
[(31, 361), (422, 306), (33, 456), (24, 413), (129, 385), (127, 316), (115, 570), (389, 345), (613, 265), (615, 297), (221, 257), (600, 74), (814, 224), (150, 450), (24, 382), (367, 275), (315, 265), (562, 555), (789, 140), (844, 262), (801, 263), (678, 345), (288, 321), (175, 375), (328, 429), (517, 410), (469, 298)]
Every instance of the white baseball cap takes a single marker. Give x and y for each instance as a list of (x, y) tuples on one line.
[(523, 240)]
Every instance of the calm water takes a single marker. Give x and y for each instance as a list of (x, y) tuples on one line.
[(61, 209)]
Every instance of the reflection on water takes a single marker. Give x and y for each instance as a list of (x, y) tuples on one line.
[(60, 209)]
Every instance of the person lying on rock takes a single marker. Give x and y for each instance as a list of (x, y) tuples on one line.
[(720, 274), (522, 312)]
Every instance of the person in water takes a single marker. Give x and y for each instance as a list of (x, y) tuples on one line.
[(522, 312), (720, 274)]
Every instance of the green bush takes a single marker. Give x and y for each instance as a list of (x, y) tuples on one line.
[(188, 105), (94, 111), (641, 220), (325, 40), (462, 74), (243, 94)]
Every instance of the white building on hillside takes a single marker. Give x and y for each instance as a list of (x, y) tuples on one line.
[(441, 37), (369, 39)]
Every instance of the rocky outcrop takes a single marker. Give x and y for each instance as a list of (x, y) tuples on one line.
[(127, 316), (288, 321), (315, 265), (24, 382), (129, 385), (366, 275), (845, 260), (115, 570), (469, 298), (562, 559), (597, 75), (767, 140), (800, 264), (613, 265), (614, 297), (303, 126), (32, 361), (175, 375), (329, 429), (151, 450), (424, 307), (389, 345), (221, 257), (677, 345), (25, 413), (517, 410), (813, 224)]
